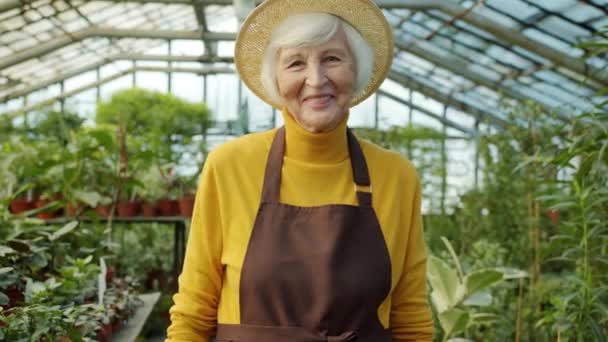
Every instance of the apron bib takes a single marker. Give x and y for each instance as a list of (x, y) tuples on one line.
[(313, 273)]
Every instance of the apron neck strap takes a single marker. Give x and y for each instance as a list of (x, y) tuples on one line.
[(274, 165)]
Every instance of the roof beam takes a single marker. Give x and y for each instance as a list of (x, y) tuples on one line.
[(48, 102), (66, 40), (437, 117), (130, 56), (504, 33), (459, 67), (447, 99), (9, 5)]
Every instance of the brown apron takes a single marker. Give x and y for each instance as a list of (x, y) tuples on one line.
[(313, 273)]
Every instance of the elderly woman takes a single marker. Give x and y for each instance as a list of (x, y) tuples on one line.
[(306, 233)]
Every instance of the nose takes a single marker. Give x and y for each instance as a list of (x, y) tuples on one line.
[(315, 75)]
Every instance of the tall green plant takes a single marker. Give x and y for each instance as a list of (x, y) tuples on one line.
[(457, 294), (580, 308)]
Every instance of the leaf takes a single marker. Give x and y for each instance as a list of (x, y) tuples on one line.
[(37, 261), (453, 321), (4, 250), (447, 289), (4, 270), (597, 331), (509, 273), (64, 230), (481, 280), (448, 245), (90, 198), (3, 299), (483, 298), (564, 205), (19, 246), (483, 318)]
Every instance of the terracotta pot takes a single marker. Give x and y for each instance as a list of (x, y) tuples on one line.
[(168, 207), (103, 210), (553, 215), (149, 209), (109, 274), (72, 210), (15, 296), (155, 279), (186, 206), (127, 208), (116, 325), (45, 215), (105, 333), (20, 205)]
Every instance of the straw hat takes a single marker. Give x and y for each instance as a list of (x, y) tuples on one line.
[(363, 15)]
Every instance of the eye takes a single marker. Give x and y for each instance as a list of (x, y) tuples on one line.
[(332, 58), (295, 64)]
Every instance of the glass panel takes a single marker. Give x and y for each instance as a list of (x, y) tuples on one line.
[(565, 30), (516, 8)]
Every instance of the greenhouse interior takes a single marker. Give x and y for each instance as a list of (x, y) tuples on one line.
[(108, 110)]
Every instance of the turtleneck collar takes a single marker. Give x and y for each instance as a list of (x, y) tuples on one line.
[(326, 147)]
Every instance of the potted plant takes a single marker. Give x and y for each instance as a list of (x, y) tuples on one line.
[(151, 191), (188, 191), (19, 169)]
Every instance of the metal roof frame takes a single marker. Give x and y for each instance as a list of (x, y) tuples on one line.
[(549, 76)]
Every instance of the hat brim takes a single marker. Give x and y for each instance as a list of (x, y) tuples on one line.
[(363, 15)]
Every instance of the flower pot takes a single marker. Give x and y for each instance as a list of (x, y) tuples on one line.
[(45, 215), (15, 296), (109, 274), (20, 205), (103, 210), (105, 333), (553, 215), (127, 208), (168, 207), (186, 206), (149, 209), (72, 210)]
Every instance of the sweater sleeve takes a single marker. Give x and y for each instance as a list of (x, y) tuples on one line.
[(410, 316), (194, 313)]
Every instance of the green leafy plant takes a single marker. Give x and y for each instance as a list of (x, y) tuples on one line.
[(456, 294)]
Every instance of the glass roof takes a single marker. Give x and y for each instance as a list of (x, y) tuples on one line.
[(476, 54)]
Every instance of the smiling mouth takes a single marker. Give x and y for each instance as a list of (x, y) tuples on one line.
[(318, 98)]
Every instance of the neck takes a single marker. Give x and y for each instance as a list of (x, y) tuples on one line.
[(326, 147)]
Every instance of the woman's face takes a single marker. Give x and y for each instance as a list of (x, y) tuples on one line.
[(317, 83)]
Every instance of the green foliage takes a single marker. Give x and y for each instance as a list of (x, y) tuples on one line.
[(49, 323), (169, 126), (456, 295)]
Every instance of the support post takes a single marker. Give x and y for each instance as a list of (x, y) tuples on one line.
[(444, 162), (134, 79), (169, 73), (477, 142)]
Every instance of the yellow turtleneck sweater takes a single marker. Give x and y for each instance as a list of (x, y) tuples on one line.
[(316, 171)]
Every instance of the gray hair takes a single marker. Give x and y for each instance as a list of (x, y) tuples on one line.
[(310, 29)]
